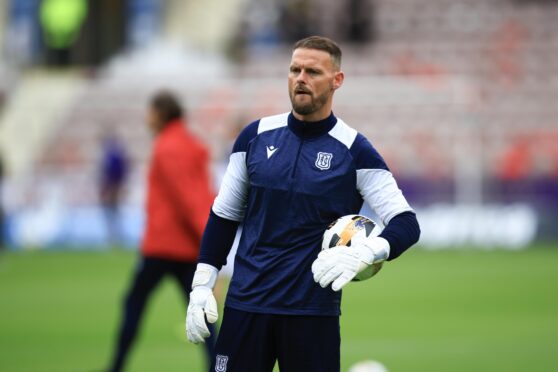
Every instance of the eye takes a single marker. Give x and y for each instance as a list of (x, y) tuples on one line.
[(313, 72), (295, 70)]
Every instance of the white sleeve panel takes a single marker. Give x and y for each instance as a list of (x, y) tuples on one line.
[(273, 122), (230, 203), (379, 189), (343, 133)]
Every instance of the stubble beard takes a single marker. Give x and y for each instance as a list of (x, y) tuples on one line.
[(309, 108)]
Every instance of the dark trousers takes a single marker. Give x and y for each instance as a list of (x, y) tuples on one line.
[(148, 274), (253, 342)]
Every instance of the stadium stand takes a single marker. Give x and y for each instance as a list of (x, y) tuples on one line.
[(446, 90)]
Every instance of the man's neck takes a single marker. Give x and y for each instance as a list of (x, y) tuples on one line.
[(313, 117)]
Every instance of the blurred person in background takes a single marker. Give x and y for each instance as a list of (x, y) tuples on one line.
[(1, 203), (359, 25), (114, 171), (179, 197), (61, 22), (296, 19)]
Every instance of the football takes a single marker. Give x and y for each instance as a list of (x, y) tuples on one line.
[(349, 229)]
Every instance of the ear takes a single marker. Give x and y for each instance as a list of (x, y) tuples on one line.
[(338, 79)]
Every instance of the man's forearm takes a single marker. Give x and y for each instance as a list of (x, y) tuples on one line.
[(217, 240), (401, 232)]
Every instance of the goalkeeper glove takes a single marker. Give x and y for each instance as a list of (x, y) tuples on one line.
[(202, 303), (339, 265)]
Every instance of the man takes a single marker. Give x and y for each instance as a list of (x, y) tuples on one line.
[(178, 199), (289, 176), (61, 22), (1, 203), (114, 171)]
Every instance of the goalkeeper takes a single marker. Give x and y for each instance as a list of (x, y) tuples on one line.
[(288, 177)]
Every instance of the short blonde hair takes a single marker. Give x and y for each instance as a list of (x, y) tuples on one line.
[(321, 43)]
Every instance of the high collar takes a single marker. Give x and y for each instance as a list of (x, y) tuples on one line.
[(311, 129)]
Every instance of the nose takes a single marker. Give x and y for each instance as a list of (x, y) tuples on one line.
[(301, 77)]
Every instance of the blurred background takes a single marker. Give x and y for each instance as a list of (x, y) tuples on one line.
[(457, 95)]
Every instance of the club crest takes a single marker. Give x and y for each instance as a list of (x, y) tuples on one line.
[(323, 160), (221, 363)]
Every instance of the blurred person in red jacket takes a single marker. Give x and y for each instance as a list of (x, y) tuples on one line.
[(179, 197)]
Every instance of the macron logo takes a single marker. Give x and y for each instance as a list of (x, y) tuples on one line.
[(271, 150)]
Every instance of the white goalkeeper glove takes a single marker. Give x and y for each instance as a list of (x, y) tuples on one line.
[(339, 265), (202, 303)]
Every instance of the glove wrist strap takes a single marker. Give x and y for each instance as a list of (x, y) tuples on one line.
[(378, 248), (205, 275)]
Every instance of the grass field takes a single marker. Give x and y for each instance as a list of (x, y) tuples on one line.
[(427, 311)]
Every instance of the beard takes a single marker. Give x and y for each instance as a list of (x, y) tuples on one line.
[(310, 107)]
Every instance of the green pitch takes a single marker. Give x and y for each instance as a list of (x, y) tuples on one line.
[(427, 311)]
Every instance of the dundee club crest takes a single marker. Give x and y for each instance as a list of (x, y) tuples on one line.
[(221, 363), (323, 160)]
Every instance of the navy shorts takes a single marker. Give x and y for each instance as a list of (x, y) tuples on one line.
[(253, 342)]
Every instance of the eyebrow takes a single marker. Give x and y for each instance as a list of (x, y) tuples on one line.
[(309, 69), (314, 70)]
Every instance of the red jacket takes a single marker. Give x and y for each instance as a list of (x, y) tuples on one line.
[(179, 195)]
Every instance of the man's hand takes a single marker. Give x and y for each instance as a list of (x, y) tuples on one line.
[(202, 304), (339, 265)]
